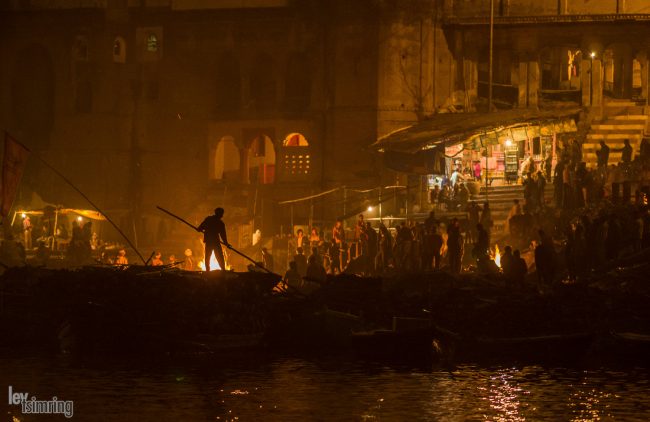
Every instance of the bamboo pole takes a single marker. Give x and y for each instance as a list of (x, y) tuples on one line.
[(83, 195)]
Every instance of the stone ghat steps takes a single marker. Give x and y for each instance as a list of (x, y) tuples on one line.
[(637, 122), (622, 107), (616, 133), (501, 200), (628, 123)]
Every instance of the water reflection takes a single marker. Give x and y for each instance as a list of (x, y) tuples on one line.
[(293, 388)]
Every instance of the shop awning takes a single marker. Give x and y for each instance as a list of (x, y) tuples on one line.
[(91, 214), (452, 128)]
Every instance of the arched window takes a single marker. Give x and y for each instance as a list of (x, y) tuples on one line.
[(228, 83), (119, 50), (80, 48), (296, 157), (262, 83), (295, 140), (152, 42)]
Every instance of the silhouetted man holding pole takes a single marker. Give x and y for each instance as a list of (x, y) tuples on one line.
[(214, 234)]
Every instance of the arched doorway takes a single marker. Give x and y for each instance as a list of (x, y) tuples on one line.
[(618, 69), (225, 157), (32, 95), (560, 68), (637, 81), (262, 159)]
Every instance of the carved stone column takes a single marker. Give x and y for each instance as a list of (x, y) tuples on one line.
[(533, 82), (585, 81), (244, 173), (522, 84), (597, 82), (642, 57)]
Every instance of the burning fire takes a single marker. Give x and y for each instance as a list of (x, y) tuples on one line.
[(497, 256), (214, 264)]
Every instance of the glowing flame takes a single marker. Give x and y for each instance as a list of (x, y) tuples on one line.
[(214, 264), (497, 256)]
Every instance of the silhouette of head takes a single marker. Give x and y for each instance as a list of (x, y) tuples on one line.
[(299, 250), (218, 212)]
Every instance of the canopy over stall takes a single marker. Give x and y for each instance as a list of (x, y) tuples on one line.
[(418, 148), (91, 214), (56, 212)]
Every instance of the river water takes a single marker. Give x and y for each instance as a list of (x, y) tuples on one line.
[(295, 388)]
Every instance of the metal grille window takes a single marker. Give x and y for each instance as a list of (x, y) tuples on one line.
[(296, 157), (297, 163)]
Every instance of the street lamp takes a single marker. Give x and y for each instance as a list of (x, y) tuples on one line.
[(591, 78)]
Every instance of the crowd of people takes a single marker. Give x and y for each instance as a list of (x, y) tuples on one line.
[(594, 217), (365, 250)]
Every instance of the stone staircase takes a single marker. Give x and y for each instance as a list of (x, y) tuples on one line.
[(623, 120), (501, 200)]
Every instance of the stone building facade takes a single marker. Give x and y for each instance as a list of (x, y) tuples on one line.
[(245, 103)]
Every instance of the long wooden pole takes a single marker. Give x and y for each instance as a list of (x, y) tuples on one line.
[(491, 64), (229, 246), (83, 195)]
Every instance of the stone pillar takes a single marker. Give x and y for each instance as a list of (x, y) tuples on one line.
[(523, 84), (597, 82), (585, 81), (643, 60), (628, 75), (623, 72), (244, 173), (533, 83), (470, 68)]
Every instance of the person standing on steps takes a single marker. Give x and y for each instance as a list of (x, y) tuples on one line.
[(603, 155)]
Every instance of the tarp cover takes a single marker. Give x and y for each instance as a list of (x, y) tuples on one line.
[(91, 214), (446, 128)]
